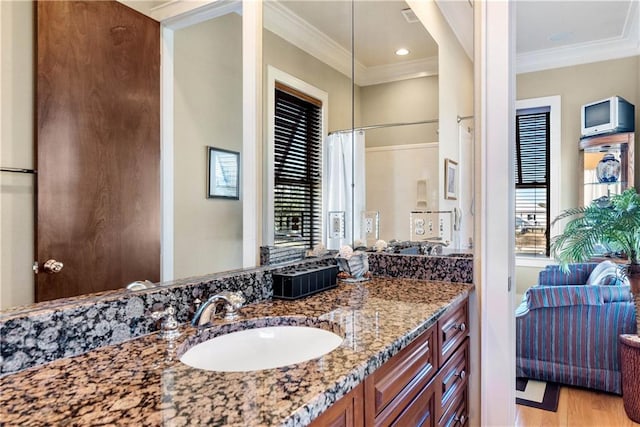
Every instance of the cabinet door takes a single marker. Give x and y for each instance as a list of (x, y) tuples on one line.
[(421, 411), (394, 384), (346, 412)]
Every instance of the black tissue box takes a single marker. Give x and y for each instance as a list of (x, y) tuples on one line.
[(302, 281)]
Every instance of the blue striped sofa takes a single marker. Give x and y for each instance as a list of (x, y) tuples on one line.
[(567, 331)]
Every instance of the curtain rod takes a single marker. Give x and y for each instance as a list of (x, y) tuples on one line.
[(384, 126), (18, 170)]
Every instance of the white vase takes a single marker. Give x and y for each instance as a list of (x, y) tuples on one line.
[(608, 169)]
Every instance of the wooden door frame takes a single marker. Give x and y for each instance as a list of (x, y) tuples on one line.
[(173, 20)]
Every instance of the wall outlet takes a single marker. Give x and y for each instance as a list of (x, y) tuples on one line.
[(336, 225), (370, 226)]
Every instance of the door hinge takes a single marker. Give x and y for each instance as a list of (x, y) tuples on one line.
[(509, 284), (35, 267)]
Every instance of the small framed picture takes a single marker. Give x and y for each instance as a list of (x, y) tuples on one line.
[(223, 175), (450, 179)]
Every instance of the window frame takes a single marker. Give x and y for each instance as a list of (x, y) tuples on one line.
[(275, 75), (554, 103)]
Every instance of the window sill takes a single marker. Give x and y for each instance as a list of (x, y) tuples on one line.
[(523, 261)]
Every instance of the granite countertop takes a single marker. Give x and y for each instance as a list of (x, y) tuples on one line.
[(142, 382)]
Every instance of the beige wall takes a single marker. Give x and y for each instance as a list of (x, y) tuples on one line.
[(207, 112), (403, 101), (16, 150), (288, 58), (525, 278), (577, 86), (395, 195)]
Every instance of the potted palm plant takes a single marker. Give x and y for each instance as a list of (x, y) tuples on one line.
[(613, 222)]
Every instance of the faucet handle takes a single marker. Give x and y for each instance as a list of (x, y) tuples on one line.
[(233, 302), (169, 324), (236, 299)]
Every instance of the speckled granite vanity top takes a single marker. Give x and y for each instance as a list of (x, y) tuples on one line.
[(141, 382)]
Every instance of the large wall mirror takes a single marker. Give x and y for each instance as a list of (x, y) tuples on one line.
[(340, 57), (373, 68)]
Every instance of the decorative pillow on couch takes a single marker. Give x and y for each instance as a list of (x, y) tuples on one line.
[(605, 274)]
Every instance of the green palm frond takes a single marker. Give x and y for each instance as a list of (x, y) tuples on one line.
[(615, 224)]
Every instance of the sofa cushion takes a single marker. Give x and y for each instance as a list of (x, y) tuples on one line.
[(554, 275), (563, 296), (616, 293), (606, 273)]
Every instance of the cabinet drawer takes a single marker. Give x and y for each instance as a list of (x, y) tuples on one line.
[(396, 383), (453, 328), (452, 378), (457, 415)]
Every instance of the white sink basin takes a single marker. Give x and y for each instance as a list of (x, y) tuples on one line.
[(261, 348)]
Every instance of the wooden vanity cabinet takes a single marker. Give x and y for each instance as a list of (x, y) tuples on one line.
[(346, 412), (391, 389), (425, 384)]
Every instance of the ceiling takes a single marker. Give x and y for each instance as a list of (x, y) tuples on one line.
[(549, 33), (552, 34), (379, 29), (323, 29)]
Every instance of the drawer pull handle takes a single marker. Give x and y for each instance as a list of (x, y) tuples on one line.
[(461, 419), (462, 375), (462, 327)]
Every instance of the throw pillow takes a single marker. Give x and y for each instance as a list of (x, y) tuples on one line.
[(606, 273)]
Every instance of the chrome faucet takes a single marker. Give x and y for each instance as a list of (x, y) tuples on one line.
[(434, 246), (232, 302)]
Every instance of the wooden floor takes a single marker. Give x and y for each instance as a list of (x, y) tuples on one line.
[(578, 407)]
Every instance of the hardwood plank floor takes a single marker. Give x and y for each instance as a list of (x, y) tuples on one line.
[(578, 407)]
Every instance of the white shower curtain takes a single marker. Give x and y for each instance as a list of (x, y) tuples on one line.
[(340, 172)]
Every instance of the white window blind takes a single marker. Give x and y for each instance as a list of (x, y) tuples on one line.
[(297, 169)]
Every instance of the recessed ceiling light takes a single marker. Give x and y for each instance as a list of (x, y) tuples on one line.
[(402, 52)]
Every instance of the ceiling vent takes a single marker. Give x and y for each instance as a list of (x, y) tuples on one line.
[(409, 15)]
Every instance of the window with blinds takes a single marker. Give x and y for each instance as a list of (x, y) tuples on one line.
[(297, 169), (532, 166)]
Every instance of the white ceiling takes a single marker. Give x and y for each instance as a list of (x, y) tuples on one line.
[(379, 29), (552, 34), (323, 29), (549, 33)]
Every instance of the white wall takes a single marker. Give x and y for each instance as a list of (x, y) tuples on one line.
[(16, 150), (207, 112)]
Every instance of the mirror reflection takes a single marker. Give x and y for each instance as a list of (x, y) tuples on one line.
[(307, 48)]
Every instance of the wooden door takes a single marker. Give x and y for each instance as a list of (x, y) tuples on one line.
[(98, 146)]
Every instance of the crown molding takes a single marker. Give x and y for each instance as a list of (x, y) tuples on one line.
[(281, 21), (401, 71), (602, 50), (628, 44)]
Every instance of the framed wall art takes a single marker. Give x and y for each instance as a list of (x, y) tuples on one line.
[(223, 174), (450, 179)]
